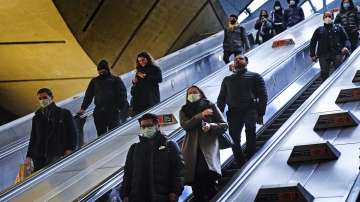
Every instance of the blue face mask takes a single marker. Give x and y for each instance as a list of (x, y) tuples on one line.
[(346, 6)]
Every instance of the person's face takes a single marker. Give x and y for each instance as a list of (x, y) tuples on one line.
[(232, 19), (146, 123), (44, 96), (263, 14), (193, 90), (240, 61), (102, 71), (346, 1), (142, 61)]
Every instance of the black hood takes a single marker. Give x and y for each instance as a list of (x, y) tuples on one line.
[(352, 6), (277, 3), (296, 2)]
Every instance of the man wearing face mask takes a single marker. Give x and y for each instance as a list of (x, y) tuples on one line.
[(294, 14), (53, 132), (332, 44), (110, 96), (235, 39), (349, 18), (154, 167), (244, 93)]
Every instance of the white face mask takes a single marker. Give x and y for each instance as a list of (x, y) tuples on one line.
[(193, 97), (292, 3), (45, 102), (327, 21), (148, 132), (277, 7)]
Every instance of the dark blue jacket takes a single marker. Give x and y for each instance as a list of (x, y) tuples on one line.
[(293, 15)]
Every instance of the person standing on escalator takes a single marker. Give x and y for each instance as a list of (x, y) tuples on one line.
[(244, 93), (235, 39), (203, 122), (53, 133), (329, 44), (145, 89), (154, 167), (264, 26), (277, 17), (294, 14), (349, 18), (110, 96)]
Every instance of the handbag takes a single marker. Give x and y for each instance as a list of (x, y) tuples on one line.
[(225, 140)]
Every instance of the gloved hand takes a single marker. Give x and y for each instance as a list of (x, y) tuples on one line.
[(260, 120)]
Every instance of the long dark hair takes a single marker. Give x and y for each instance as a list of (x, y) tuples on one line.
[(267, 14), (200, 91), (146, 55)]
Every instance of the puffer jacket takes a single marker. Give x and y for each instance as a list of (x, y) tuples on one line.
[(243, 90), (349, 19), (154, 168)]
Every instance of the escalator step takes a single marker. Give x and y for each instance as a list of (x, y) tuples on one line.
[(275, 125)]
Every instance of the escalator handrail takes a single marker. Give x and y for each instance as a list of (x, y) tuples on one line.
[(21, 143), (69, 159), (283, 131)]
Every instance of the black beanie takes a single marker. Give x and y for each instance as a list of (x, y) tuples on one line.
[(234, 16), (103, 64), (277, 3)]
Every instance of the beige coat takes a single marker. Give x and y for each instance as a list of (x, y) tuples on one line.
[(209, 143)]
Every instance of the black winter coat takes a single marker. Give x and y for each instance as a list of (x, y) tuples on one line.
[(243, 90), (145, 93), (109, 92), (51, 137), (264, 30), (350, 20), (293, 15), (277, 18), (329, 39), (154, 168)]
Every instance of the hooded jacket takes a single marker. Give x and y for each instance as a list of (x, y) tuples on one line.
[(154, 168), (109, 92), (349, 19), (293, 15)]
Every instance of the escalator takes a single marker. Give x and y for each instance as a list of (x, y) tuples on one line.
[(319, 179), (76, 174)]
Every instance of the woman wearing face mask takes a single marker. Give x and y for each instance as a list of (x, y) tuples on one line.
[(145, 90), (264, 26), (277, 17), (294, 14), (203, 122), (349, 18)]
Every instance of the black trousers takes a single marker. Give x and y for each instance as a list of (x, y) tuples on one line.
[(227, 54), (42, 162), (354, 40), (237, 119), (105, 120), (327, 62), (204, 185)]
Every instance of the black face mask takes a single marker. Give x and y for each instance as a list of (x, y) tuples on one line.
[(232, 22)]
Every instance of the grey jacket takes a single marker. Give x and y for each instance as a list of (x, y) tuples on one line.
[(236, 41), (209, 143)]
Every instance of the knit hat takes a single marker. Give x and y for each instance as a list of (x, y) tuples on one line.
[(103, 64)]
